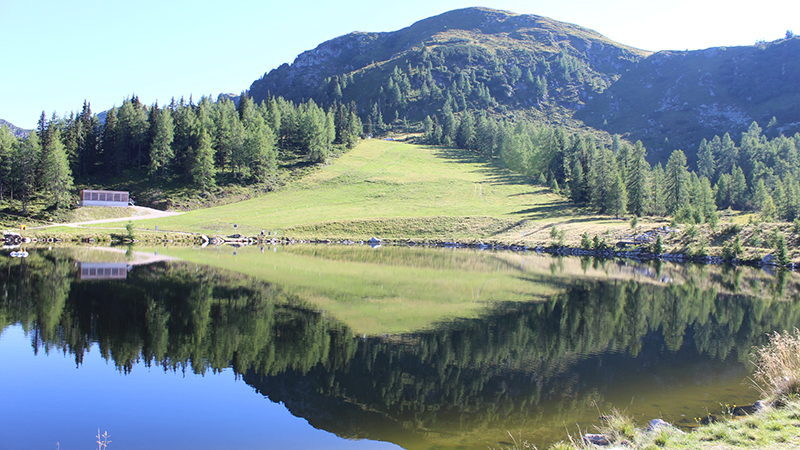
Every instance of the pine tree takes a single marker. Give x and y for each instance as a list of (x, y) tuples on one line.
[(486, 137), (161, 152), (56, 175), (637, 183), (465, 137), (738, 188), (705, 160), (427, 126), (617, 198), (203, 170), (109, 140), (25, 167), (707, 205), (658, 203), (8, 150), (676, 182)]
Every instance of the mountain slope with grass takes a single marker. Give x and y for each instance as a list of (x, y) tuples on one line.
[(518, 66), (398, 191)]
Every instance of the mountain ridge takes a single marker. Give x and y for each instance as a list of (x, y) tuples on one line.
[(15, 130), (547, 71)]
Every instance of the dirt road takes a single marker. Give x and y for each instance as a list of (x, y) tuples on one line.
[(137, 213)]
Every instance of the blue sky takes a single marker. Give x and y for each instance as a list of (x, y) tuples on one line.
[(57, 53)]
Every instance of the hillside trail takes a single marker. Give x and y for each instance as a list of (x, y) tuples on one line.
[(139, 213)]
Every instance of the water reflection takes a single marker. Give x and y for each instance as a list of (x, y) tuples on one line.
[(662, 341)]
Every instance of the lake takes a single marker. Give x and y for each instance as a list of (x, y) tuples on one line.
[(354, 347)]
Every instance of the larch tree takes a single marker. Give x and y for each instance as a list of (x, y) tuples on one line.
[(203, 169)]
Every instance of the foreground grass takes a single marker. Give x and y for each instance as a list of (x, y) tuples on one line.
[(775, 428)]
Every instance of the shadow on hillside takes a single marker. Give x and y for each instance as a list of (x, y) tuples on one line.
[(492, 169), (546, 211)]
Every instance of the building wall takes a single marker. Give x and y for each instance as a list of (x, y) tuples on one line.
[(104, 198), (99, 203)]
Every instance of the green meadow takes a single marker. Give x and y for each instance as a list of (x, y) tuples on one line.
[(391, 190)]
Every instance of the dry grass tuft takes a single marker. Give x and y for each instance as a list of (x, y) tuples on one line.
[(777, 373)]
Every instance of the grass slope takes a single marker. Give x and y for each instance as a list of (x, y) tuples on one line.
[(397, 191)]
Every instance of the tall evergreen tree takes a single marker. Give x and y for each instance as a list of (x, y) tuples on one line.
[(617, 198), (676, 182), (8, 151), (25, 168), (56, 174), (161, 152), (203, 169), (638, 183), (465, 137), (705, 160)]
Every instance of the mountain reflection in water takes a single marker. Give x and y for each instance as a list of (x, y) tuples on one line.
[(671, 350)]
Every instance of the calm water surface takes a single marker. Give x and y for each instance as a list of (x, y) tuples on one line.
[(330, 347)]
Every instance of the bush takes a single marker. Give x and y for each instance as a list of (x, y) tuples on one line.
[(129, 228), (777, 373), (658, 246), (781, 252), (599, 243), (586, 241)]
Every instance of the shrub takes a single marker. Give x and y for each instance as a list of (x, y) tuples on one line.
[(781, 252), (618, 426), (658, 246), (129, 228), (599, 243), (586, 241)]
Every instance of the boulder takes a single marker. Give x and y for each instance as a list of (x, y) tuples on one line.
[(596, 439)]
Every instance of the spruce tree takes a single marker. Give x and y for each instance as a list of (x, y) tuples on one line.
[(25, 167), (676, 182), (638, 182), (161, 152), (8, 150), (56, 175), (465, 137), (617, 198), (705, 160)]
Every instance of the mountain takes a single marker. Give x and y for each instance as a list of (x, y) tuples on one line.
[(15, 130), (477, 57), (686, 96), (526, 66)]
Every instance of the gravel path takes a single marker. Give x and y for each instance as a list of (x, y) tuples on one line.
[(138, 213)]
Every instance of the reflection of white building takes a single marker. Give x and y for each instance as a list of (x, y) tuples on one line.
[(104, 198), (102, 271)]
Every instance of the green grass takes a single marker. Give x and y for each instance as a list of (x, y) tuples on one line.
[(775, 428), (395, 190)]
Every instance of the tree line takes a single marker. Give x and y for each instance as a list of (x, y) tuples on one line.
[(757, 174), (196, 143)]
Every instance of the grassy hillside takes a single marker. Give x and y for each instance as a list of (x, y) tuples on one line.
[(397, 191)]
